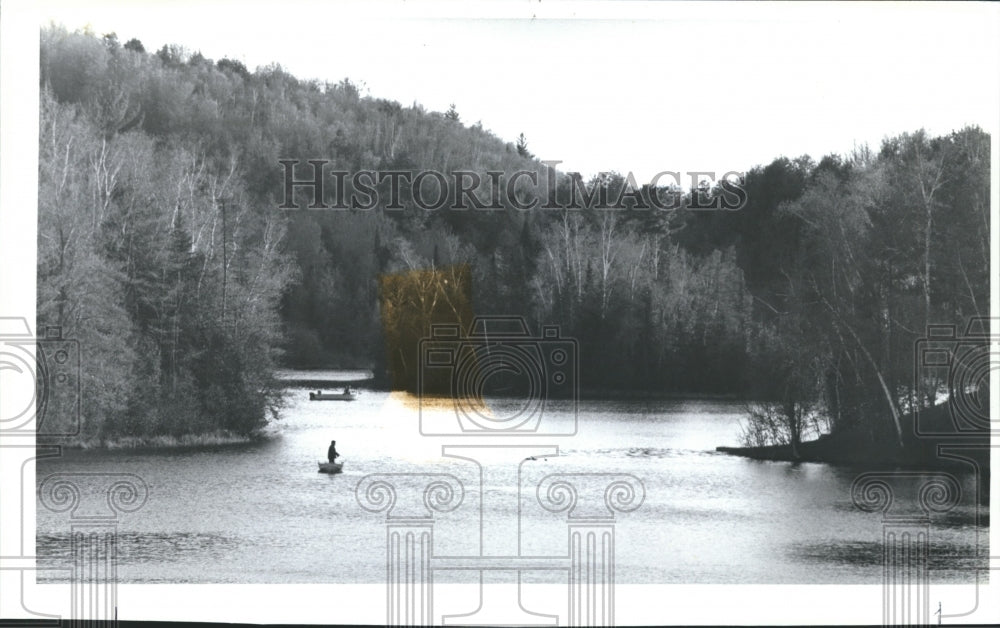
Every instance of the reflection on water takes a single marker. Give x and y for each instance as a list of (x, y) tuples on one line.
[(944, 558), (261, 513), (149, 547)]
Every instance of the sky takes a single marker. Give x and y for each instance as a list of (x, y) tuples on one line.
[(627, 86)]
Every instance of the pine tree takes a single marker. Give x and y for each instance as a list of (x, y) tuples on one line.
[(522, 147)]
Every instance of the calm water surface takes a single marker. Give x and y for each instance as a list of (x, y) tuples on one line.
[(260, 513)]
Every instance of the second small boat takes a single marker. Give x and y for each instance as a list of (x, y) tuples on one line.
[(322, 396)]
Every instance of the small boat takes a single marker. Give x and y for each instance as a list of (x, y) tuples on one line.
[(331, 467), (321, 396)]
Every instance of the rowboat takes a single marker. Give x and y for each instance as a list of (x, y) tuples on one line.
[(331, 467), (331, 396)]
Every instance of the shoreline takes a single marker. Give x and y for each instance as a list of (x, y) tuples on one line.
[(301, 378), (163, 442), (589, 395), (853, 448)]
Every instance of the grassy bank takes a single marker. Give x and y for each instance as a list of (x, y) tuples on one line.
[(162, 441)]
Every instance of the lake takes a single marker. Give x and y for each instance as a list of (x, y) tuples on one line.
[(260, 512)]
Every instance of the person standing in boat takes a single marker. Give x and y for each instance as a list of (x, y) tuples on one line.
[(331, 453)]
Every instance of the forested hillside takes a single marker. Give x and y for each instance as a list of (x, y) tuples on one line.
[(163, 251)]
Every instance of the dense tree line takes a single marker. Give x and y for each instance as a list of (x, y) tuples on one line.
[(162, 250)]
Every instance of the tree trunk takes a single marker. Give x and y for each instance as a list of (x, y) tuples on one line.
[(794, 427), (889, 396)]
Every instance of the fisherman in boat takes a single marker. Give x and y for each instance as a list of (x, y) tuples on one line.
[(331, 453)]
